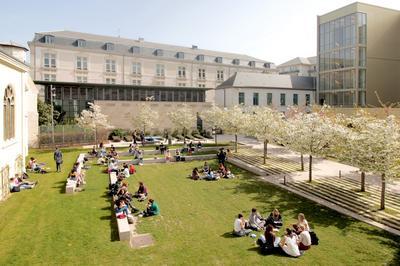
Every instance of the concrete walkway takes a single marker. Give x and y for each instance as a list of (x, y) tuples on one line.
[(322, 168)]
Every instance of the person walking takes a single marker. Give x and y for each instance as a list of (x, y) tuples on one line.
[(58, 157)]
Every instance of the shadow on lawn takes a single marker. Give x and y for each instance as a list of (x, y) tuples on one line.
[(114, 236)]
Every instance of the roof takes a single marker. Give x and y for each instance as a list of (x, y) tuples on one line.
[(13, 44), (299, 61), (123, 45), (271, 81)]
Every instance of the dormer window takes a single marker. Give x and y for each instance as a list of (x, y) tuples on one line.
[(109, 46), (48, 39), (267, 65), (158, 52), (236, 61), (218, 59), (180, 55), (80, 43), (135, 49), (252, 63), (200, 57)]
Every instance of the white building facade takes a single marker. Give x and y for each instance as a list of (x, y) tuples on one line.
[(18, 107), (276, 91), (299, 66)]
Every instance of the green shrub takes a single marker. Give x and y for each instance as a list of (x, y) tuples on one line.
[(118, 132)]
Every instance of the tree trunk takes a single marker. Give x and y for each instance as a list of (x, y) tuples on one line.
[(184, 136), (302, 161), (215, 138), (144, 135), (95, 136), (362, 181), (310, 169), (265, 151), (236, 143), (383, 192)]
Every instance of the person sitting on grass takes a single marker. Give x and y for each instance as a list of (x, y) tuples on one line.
[(35, 167), (177, 155), (210, 175), (113, 166), (124, 195), (301, 220), (289, 244), (256, 222), (206, 167), (125, 170), (167, 155), (275, 219), (195, 174), (16, 185), (151, 210), (228, 173), (199, 145), (304, 239), (94, 152), (239, 226), (141, 193), (121, 208), (269, 243)]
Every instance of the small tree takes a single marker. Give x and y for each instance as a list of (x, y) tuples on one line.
[(146, 117), (183, 119), (93, 119), (264, 123), (310, 134), (213, 117), (234, 120)]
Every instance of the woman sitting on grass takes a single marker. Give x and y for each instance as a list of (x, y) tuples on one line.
[(125, 170), (301, 221), (256, 222), (206, 167), (151, 210), (16, 184), (269, 243), (210, 175), (195, 174), (141, 193), (228, 173), (121, 208), (275, 219), (289, 244), (221, 170), (32, 164)]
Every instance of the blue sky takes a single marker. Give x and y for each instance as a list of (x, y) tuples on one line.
[(268, 29)]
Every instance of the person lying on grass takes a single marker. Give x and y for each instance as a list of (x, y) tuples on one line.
[(275, 219), (239, 226), (141, 193), (256, 222), (151, 210), (16, 184)]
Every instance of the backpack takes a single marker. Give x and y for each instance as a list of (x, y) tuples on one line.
[(132, 169), (314, 238)]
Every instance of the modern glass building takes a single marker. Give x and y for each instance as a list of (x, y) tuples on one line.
[(358, 55)]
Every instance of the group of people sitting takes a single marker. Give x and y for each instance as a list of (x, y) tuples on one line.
[(207, 173), (294, 241), (18, 183), (77, 174), (123, 199), (35, 167)]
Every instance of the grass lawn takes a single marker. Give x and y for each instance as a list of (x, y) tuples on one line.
[(46, 226)]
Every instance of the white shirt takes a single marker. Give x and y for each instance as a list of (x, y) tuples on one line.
[(126, 172), (291, 248), (305, 238), (237, 225)]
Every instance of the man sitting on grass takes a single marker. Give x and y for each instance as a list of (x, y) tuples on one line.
[(239, 226), (151, 210), (256, 222)]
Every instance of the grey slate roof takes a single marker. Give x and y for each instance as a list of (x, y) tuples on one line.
[(123, 46), (299, 61), (270, 81)]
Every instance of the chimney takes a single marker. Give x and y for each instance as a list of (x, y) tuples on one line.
[(194, 47)]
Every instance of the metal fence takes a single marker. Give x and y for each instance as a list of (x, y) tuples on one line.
[(69, 135)]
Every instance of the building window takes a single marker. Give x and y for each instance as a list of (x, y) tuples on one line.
[(236, 61), (160, 83), (81, 79), (180, 84), (218, 59), (252, 63), (200, 57), (283, 99), (255, 98), (269, 98), (295, 99), (202, 85), (136, 68), (109, 46), (220, 75), (181, 72), (8, 114), (81, 63), (180, 55), (160, 70), (267, 65), (135, 49), (110, 81), (48, 39), (202, 73), (241, 97), (49, 60), (308, 99), (158, 52), (81, 43), (136, 82), (49, 77), (110, 66)]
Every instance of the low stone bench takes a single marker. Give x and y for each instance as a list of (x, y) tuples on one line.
[(70, 186)]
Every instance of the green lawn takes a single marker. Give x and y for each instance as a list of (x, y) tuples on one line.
[(46, 226)]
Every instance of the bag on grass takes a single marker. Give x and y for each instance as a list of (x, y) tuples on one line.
[(314, 238)]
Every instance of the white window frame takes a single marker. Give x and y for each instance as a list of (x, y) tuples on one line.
[(136, 68), (220, 75), (81, 63), (111, 81), (49, 77), (111, 66), (202, 73), (181, 72), (160, 70), (49, 60)]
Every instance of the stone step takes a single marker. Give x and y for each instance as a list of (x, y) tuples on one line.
[(258, 161)]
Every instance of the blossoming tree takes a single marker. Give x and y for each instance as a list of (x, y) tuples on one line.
[(234, 119), (146, 118), (183, 119), (93, 119), (213, 117)]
